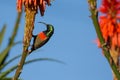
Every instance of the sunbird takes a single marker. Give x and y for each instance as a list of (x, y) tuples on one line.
[(42, 38)]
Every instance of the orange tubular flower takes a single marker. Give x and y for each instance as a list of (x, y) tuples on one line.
[(34, 4), (109, 21)]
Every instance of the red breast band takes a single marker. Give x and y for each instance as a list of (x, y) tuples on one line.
[(42, 36)]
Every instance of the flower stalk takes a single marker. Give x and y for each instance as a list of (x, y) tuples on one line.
[(29, 26), (31, 8), (105, 48)]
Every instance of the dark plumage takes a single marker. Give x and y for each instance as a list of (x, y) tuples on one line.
[(42, 38)]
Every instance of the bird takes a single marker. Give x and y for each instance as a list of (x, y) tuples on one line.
[(42, 38)]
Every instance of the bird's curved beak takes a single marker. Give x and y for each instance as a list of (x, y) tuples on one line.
[(43, 23)]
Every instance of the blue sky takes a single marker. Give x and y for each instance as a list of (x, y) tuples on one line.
[(72, 43)]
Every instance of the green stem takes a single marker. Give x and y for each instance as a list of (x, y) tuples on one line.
[(94, 16)]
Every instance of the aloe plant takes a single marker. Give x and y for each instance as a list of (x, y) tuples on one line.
[(5, 53)]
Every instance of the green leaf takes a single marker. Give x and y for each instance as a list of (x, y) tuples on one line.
[(45, 59), (4, 53), (4, 74), (2, 33), (15, 43), (13, 59), (15, 30), (9, 78)]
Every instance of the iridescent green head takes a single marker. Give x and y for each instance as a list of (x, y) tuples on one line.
[(50, 29)]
